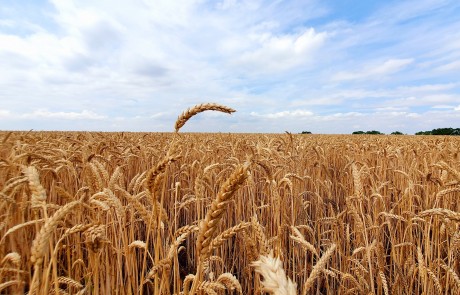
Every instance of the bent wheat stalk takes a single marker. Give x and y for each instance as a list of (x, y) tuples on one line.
[(185, 116)]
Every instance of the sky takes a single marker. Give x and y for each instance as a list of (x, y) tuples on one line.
[(324, 66)]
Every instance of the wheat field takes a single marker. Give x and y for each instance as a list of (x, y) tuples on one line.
[(189, 213)]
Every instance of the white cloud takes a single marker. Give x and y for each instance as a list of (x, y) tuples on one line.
[(283, 114), (280, 53), (391, 66), (45, 114), (452, 66), (5, 114), (440, 98), (414, 115), (157, 115), (390, 109), (443, 106), (388, 67), (145, 62), (341, 116), (428, 87), (410, 9)]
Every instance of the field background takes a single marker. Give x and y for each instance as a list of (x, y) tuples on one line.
[(120, 213)]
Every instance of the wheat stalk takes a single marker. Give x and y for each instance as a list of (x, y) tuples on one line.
[(186, 115)]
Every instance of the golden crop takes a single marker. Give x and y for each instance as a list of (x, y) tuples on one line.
[(173, 213)]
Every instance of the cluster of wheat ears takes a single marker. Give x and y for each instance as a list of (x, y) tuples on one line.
[(177, 213)]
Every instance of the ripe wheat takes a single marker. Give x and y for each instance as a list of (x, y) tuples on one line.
[(163, 213)]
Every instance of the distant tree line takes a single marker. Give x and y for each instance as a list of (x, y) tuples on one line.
[(437, 131), (440, 131), (368, 132)]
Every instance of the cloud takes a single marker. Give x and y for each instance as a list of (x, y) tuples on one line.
[(409, 10), (285, 62), (390, 109), (341, 116), (428, 87), (280, 53), (226, 4), (414, 115), (283, 114), (150, 116), (457, 108), (5, 114), (452, 66), (150, 69), (388, 67), (45, 114), (442, 106)]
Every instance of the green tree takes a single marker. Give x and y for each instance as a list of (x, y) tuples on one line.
[(440, 131), (374, 132), (397, 133), (445, 131), (423, 133)]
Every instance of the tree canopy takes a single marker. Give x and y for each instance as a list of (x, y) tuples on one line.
[(368, 132), (440, 131)]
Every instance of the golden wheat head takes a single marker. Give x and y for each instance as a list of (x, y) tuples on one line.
[(185, 116)]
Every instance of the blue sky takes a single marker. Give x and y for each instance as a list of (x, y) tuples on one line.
[(323, 66)]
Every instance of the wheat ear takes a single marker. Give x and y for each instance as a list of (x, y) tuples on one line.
[(209, 225), (185, 116), (319, 266), (228, 234), (442, 212), (40, 243), (230, 282), (153, 173), (299, 238), (275, 280), (38, 192), (13, 257)]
